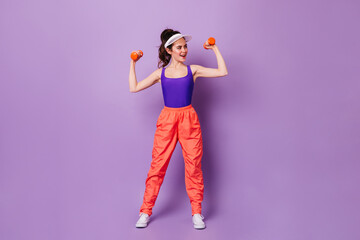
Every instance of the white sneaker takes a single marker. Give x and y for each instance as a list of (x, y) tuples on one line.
[(198, 221), (143, 220)]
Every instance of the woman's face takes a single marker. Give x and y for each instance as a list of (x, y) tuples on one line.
[(179, 50)]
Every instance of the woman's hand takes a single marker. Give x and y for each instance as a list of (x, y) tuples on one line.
[(210, 43), (136, 55), (208, 46)]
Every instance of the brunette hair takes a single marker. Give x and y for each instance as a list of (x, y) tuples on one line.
[(164, 57)]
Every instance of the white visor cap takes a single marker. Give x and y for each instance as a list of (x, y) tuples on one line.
[(176, 37)]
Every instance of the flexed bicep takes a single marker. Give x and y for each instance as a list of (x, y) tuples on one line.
[(149, 81), (207, 72)]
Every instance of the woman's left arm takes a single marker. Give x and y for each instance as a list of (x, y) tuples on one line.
[(201, 71)]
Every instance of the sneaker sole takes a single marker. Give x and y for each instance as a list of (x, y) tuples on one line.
[(199, 227), (141, 225)]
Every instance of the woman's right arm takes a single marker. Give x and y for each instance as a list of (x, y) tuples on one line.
[(147, 82)]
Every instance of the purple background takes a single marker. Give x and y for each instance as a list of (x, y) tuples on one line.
[(281, 131)]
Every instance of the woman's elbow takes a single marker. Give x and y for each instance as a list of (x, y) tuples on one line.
[(222, 73)]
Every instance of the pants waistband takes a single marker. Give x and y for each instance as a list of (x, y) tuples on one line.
[(178, 109)]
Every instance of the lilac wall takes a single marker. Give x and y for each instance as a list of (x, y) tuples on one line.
[(281, 131)]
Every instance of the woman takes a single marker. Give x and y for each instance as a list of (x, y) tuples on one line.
[(177, 121)]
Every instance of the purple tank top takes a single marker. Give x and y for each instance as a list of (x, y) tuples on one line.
[(177, 92)]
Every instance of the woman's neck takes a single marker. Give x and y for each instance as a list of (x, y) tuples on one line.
[(176, 65)]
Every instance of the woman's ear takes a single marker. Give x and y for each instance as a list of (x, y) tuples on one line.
[(168, 51)]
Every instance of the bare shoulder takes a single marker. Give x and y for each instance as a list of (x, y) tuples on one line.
[(194, 68), (157, 73)]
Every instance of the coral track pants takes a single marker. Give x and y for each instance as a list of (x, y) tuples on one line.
[(172, 125)]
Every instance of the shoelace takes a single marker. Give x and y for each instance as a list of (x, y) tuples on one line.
[(202, 217), (141, 214)]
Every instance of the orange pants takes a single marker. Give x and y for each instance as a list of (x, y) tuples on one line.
[(172, 125)]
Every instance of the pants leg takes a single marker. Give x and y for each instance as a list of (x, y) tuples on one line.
[(190, 138), (165, 140)]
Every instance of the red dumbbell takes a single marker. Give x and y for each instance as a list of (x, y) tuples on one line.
[(210, 41), (136, 55)]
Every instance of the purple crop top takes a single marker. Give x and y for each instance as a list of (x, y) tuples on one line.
[(177, 92)]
